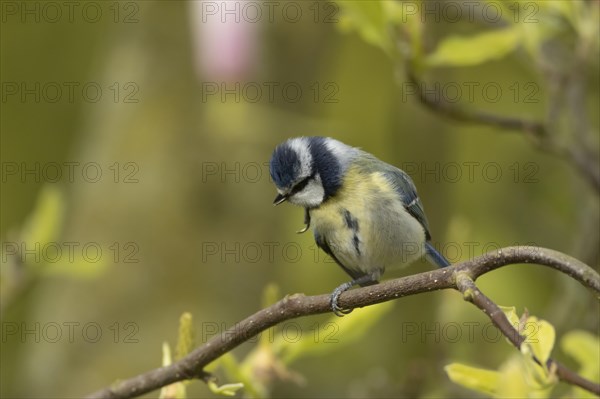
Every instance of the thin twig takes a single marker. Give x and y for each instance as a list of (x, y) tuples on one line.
[(435, 102), (192, 365), (583, 159)]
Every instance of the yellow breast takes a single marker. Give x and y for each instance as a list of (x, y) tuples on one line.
[(366, 225)]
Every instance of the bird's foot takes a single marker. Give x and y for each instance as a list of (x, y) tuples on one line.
[(337, 310)]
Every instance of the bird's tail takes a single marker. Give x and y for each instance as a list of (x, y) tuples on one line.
[(434, 257)]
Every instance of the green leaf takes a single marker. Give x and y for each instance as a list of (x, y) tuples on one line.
[(335, 334), (511, 383), (540, 336), (585, 349), (45, 223), (538, 345), (43, 230), (480, 380), (175, 390), (369, 19), (225, 389), (511, 315), (474, 50), (185, 341), (270, 295), (236, 371), (407, 18), (520, 375), (166, 352), (80, 266)]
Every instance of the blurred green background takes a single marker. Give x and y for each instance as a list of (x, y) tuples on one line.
[(138, 135)]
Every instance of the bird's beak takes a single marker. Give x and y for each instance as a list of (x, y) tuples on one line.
[(279, 199)]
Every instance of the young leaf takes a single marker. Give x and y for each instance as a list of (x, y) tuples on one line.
[(175, 390), (585, 349), (185, 342), (225, 389), (45, 223), (540, 336), (511, 315), (343, 332), (511, 383), (474, 50), (369, 20), (480, 380)]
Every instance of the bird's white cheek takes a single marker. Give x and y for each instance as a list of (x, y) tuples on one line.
[(311, 196)]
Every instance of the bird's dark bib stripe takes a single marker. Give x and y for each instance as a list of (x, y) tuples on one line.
[(322, 243), (350, 220), (356, 244), (352, 224)]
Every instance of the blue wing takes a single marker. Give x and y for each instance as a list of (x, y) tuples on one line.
[(408, 194), (405, 188)]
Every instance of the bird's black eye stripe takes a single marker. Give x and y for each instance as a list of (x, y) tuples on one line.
[(301, 184)]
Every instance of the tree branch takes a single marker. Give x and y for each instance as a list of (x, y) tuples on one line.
[(436, 104), (298, 305), (582, 158), (474, 295), (566, 264)]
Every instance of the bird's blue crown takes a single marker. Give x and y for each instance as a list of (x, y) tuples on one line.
[(284, 166), (287, 164)]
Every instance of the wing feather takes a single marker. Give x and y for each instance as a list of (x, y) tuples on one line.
[(407, 192)]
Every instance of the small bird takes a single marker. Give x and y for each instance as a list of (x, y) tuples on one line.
[(364, 212)]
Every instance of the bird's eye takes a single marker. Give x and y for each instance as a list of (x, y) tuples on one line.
[(300, 186)]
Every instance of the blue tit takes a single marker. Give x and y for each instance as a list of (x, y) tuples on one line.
[(364, 212)]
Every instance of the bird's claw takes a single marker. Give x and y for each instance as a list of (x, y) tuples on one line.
[(337, 310), (306, 222), (303, 230)]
